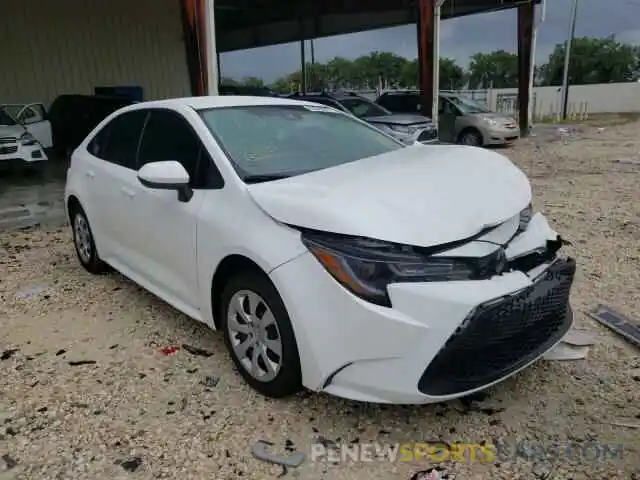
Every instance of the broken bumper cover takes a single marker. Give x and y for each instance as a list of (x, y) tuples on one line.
[(503, 335), (439, 341)]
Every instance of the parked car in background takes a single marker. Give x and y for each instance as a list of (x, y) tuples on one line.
[(409, 128), (246, 90), (462, 120), (73, 117), (19, 145), (330, 254)]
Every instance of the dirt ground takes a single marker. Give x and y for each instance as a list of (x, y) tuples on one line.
[(129, 411)]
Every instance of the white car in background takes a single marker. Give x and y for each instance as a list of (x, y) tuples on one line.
[(331, 255), (25, 133)]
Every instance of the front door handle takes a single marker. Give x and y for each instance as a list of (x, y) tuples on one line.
[(128, 192)]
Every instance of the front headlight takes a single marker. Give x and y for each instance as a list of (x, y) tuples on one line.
[(525, 218), (491, 122), (366, 267), (27, 140), (400, 128)]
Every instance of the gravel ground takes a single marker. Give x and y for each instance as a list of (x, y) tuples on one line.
[(132, 412)]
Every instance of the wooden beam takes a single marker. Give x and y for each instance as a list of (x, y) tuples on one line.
[(193, 32), (525, 37), (425, 54)]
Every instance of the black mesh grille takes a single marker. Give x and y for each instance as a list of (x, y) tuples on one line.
[(8, 150), (504, 335)]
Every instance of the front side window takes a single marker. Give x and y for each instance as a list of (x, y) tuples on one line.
[(117, 142), (168, 136), (285, 140)]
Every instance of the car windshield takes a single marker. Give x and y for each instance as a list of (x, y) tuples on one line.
[(6, 119), (362, 108), (468, 106), (267, 142)]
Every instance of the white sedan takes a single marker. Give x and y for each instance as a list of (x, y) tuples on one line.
[(330, 255)]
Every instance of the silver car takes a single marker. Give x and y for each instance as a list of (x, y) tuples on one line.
[(409, 128), (465, 121), (461, 119)]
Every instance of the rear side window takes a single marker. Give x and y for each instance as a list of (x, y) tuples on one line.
[(118, 141), (169, 136)]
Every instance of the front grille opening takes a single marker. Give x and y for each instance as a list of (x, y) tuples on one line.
[(502, 336)]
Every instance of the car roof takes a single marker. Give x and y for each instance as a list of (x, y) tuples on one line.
[(217, 101)]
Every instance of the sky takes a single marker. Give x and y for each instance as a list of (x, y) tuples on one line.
[(459, 38)]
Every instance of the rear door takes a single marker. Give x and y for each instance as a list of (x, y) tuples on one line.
[(111, 171)]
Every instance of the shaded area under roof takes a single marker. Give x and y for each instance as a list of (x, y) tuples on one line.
[(243, 24)]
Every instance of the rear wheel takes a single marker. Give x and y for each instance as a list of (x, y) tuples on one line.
[(470, 137), (259, 336), (84, 242)]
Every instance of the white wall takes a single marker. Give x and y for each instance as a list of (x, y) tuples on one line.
[(70, 46)]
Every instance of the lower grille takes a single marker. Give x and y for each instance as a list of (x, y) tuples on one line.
[(428, 135), (503, 335), (8, 150)]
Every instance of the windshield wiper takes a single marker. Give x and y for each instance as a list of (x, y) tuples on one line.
[(265, 177)]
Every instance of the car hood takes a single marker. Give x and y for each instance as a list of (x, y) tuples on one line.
[(11, 131), (399, 119), (418, 195)]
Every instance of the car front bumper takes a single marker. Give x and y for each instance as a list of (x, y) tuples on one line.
[(439, 340), (21, 155), (500, 136)]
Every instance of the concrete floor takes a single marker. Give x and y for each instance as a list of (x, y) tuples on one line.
[(28, 199)]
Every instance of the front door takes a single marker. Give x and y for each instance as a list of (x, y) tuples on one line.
[(169, 261), (447, 114), (34, 119)]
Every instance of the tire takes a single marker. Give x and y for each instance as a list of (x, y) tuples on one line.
[(255, 295), (470, 137), (84, 243)]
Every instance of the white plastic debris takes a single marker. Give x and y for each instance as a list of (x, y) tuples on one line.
[(574, 346), (31, 292)]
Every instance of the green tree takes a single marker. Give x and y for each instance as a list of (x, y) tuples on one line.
[(252, 82), (593, 60), (497, 69), (452, 75)]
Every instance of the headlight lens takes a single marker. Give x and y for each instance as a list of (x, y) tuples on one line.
[(366, 267), (525, 218), (27, 139), (400, 128)]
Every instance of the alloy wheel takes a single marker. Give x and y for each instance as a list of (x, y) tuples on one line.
[(255, 337), (82, 237)]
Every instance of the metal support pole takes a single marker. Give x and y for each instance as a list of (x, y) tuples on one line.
[(436, 61), (426, 10), (532, 74), (303, 70), (567, 58), (213, 69)]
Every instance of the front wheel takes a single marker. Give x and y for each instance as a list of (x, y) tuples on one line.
[(471, 138), (259, 336)]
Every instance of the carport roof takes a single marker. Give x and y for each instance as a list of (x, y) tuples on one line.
[(243, 24)]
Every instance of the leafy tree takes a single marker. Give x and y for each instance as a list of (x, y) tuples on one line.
[(497, 69), (252, 82), (593, 60)]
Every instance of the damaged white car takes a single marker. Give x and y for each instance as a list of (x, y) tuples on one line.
[(330, 255), (25, 133)]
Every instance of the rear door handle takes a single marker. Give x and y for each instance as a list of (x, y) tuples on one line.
[(129, 193), (91, 174)]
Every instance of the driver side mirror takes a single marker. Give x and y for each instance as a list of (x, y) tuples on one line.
[(167, 175)]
